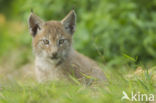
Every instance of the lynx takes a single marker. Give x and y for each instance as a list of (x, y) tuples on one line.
[(55, 59)]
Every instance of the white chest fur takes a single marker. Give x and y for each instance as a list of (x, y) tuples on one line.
[(46, 70)]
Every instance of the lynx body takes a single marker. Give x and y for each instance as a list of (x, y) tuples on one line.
[(55, 59)]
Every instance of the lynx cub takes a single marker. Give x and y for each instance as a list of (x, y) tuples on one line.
[(55, 59)]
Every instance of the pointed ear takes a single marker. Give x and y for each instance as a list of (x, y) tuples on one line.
[(35, 24), (69, 22)]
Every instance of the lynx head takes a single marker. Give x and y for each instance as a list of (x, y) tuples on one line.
[(52, 39)]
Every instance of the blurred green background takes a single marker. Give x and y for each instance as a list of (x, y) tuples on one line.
[(113, 32)]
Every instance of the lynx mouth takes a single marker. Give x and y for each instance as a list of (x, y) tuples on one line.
[(56, 60), (54, 57)]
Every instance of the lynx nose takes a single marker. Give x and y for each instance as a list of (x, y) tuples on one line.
[(54, 55)]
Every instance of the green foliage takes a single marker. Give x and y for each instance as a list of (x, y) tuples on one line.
[(111, 31), (106, 29)]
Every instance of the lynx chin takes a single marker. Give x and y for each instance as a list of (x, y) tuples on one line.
[(55, 59)]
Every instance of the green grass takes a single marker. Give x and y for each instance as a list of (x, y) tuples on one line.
[(110, 38), (17, 53), (120, 80)]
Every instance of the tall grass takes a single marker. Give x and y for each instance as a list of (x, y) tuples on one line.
[(29, 91)]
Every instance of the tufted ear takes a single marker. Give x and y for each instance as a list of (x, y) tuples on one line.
[(69, 22), (35, 24)]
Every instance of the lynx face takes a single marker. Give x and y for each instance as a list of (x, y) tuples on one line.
[(52, 40)]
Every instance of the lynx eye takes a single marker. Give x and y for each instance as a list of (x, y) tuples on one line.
[(61, 41), (46, 42)]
